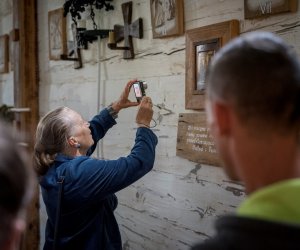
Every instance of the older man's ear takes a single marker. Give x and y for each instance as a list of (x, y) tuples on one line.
[(219, 118)]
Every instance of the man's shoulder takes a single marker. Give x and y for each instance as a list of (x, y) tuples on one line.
[(237, 232)]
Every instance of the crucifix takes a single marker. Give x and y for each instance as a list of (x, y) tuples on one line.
[(127, 32)]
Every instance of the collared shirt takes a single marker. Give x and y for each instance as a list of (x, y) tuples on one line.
[(279, 202)]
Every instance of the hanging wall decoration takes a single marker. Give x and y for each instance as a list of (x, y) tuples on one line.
[(194, 141), (57, 34), (115, 35), (4, 53), (167, 18), (263, 8), (75, 7), (201, 45), (13, 37)]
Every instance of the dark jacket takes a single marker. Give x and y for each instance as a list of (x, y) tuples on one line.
[(237, 232), (87, 218)]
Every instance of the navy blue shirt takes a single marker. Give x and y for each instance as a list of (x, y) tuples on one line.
[(88, 201)]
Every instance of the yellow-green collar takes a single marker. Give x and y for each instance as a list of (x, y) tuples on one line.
[(278, 202)]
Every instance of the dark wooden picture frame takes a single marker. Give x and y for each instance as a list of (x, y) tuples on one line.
[(201, 44), (263, 8), (4, 53), (167, 18), (194, 141), (57, 34), (13, 37)]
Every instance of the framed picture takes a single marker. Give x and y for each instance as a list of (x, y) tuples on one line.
[(263, 8), (201, 45), (4, 53), (14, 36), (167, 18), (57, 34)]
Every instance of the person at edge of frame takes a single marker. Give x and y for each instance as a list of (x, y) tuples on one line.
[(16, 187), (253, 112)]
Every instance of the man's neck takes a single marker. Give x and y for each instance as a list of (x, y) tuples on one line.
[(267, 160)]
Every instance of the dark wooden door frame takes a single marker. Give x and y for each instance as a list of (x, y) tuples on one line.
[(26, 94)]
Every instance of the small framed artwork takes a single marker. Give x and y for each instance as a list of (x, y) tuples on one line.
[(201, 45), (263, 8), (205, 50), (4, 53), (167, 18), (14, 36), (57, 34)]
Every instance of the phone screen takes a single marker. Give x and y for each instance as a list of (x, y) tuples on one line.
[(137, 90)]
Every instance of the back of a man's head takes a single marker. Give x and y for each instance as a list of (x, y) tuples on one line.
[(260, 76), (15, 184)]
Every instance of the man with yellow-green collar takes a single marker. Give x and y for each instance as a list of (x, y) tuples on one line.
[(253, 111)]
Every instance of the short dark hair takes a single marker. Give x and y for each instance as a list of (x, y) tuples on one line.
[(15, 180), (260, 75)]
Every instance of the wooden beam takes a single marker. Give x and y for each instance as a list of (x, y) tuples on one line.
[(26, 95)]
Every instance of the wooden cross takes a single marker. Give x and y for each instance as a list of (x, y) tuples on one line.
[(129, 30)]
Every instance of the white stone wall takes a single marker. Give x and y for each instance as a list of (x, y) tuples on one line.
[(175, 204), (6, 80)]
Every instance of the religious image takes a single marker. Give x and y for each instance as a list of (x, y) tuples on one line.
[(204, 52), (57, 34), (166, 17), (203, 60), (258, 9)]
